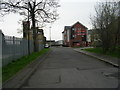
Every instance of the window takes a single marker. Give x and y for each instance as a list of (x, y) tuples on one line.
[(75, 36), (73, 29), (79, 28), (39, 32), (83, 38), (82, 32)]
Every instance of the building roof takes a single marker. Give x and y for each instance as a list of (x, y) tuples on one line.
[(67, 27), (90, 31), (80, 24)]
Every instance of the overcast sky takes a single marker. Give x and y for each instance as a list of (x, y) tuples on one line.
[(70, 12)]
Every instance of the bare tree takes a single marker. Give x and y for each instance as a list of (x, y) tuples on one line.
[(105, 22), (40, 10)]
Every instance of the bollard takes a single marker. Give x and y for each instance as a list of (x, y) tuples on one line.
[(1, 59)]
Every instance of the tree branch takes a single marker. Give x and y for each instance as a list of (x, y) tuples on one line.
[(38, 3), (42, 11), (14, 6)]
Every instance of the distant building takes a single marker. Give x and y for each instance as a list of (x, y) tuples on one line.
[(40, 38), (75, 35), (90, 37), (94, 37), (28, 32), (50, 42), (59, 42), (26, 29), (66, 35)]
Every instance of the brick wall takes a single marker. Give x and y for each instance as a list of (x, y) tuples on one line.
[(78, 35)]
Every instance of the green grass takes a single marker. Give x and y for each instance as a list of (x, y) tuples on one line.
[(94, 50), (15, 66), (100, 51)]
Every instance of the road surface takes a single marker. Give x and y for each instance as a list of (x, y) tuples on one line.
[(66, 68)]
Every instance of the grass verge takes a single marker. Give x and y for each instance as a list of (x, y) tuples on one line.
[(100, 51), (15, 66)]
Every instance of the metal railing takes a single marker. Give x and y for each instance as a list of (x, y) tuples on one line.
[(12, 48)]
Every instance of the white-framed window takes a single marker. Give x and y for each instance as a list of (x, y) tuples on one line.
[(82, 35), (75, 36), (73, 29), (79, 28)]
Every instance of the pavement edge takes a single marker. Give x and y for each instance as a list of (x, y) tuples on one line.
[(19, 83), (109, 62)]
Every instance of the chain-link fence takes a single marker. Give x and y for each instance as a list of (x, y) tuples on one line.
[(12, 48)]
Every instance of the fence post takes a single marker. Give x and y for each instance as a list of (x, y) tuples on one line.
[(0, 59), (14, 56), (0, 48)]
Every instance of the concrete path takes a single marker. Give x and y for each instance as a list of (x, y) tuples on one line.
[(66, 68), (17, 80), (108, 59)]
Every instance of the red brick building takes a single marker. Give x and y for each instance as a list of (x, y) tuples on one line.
[(75, 35)]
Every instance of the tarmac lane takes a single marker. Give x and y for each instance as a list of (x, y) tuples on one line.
[(66, 68)]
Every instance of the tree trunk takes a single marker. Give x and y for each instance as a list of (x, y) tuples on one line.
[(34, 33)]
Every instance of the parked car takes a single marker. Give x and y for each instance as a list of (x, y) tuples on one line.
[(47, 46)]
